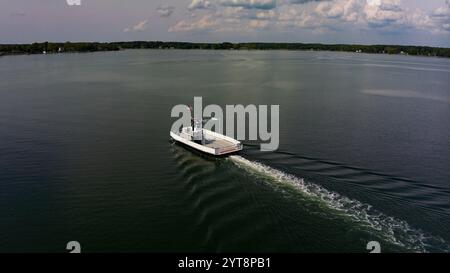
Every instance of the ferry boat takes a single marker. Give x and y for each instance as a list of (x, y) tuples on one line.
[(206, 141)]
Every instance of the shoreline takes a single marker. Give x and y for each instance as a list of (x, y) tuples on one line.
[(89, 47), (248, 50)]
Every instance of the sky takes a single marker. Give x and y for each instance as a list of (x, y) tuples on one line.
[(411, 22)]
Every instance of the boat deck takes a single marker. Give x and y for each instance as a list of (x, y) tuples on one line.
[(218, 143)]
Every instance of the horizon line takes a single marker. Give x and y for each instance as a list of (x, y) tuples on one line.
[(225, 42)]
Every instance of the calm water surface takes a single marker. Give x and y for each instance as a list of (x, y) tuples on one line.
[(85, 153)]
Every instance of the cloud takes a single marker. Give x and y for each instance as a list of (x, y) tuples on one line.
[(165, 11), (329, 10), (258, 24), (393, 15), (300, 18), (373, 14), (265, 15), (383, 16), (205, 23), (140, 26), (441, 17), (250, 4), (250, 14), (383, 12), (441, 12), (200, 4), (18, 14), (318, 16), (305, 1), (446, 26)]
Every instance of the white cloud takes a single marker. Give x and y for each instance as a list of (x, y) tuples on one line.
[(300, 18), (383, 13), (441, 17), (330, 10), (388, 14), (305, 1), (200, 4), (204, 23), (250, 4), (250, 14), (165, 11), (257, 24), (265, 15), (316, 15), (140, 26), (441, 12)]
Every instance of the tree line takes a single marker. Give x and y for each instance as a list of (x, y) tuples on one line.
[(49, 48)]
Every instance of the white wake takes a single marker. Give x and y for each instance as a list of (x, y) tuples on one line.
[(393, 230)]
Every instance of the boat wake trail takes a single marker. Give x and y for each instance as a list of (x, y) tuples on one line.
[(394, 231)]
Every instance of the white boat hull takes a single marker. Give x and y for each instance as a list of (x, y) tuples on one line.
[(214, 144)]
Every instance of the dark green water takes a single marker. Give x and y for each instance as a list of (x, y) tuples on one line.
[(85, 153)]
